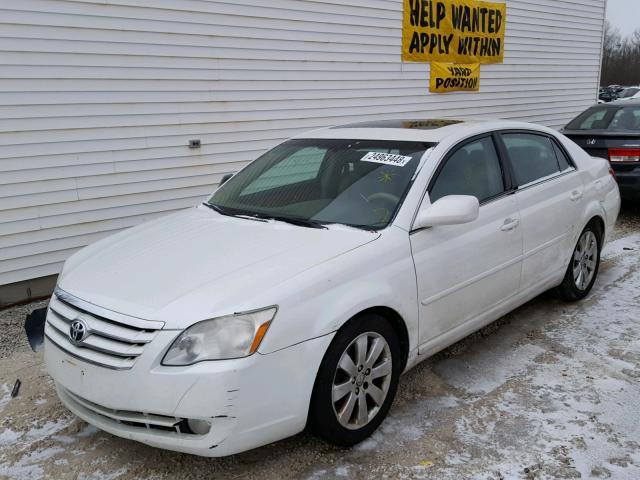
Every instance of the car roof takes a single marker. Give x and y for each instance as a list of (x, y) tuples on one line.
[(417, 130), (624, 103)]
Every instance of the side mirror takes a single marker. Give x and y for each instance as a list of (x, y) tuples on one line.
[(449, 210), (225, 178)]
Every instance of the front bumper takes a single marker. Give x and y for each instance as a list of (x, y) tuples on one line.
[(248, 402)]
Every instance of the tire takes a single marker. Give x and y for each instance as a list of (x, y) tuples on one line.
[(585, 261), (333, 421)]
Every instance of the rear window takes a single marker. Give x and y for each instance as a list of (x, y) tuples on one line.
[(607, 118)]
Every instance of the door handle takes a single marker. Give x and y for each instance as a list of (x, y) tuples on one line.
[(510, 224), (576, 195)]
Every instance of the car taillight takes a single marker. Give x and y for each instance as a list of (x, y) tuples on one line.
[(624, 154)]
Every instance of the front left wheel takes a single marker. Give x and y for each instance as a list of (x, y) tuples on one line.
[(357, 381)]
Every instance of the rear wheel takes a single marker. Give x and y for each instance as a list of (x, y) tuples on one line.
[(357, 381), (583, 268)]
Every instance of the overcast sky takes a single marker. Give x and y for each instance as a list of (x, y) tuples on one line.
[(624, 14)]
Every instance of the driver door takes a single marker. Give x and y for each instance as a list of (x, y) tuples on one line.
[(464, 271)]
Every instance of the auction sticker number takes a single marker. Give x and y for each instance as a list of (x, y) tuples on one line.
[(386, 159)]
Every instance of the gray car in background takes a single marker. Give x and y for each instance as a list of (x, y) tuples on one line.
[(612, 131)]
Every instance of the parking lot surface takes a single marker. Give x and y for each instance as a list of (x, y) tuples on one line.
[(552, 390)]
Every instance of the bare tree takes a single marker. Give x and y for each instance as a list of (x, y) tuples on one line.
[(620, 57)]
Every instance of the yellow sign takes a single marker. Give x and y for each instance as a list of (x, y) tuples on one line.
[(454, 77), (457, 31)]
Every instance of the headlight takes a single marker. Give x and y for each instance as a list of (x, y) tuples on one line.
[(222, 338)]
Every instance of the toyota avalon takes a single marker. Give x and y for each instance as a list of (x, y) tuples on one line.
[(298, 293)]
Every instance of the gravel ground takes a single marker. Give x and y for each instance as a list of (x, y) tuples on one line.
[(549, 391), (629, 220)]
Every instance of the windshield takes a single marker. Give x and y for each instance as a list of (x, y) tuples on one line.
[(607, 118), (361, 183)]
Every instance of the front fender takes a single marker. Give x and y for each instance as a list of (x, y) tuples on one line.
[(324, 298)]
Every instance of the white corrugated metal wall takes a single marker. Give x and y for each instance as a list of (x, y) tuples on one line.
[(99, 98)]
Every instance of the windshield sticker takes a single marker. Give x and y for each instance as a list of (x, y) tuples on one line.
[(386, 159)]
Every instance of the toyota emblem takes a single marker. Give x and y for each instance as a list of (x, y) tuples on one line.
[(77, 331), (591, 141)]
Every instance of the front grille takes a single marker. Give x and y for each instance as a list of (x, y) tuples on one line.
[(111, 340), (141, 420)]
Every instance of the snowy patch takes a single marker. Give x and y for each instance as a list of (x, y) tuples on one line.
[(5, 395), (9, 437), (48, 429), (342, 471), (29, 466), (406, 424), (481, 375), (100, 475)]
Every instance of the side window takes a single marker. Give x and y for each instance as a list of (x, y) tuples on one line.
[(302, 165), (532, 156), (563, 161), (626, 119), (474, 170)]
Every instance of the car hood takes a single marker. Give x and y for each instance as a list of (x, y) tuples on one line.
[(219, 262)]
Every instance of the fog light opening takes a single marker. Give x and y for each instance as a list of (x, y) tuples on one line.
[(199, 427)]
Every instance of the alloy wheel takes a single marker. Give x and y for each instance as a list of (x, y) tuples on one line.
[(585, 260), (361, 381)]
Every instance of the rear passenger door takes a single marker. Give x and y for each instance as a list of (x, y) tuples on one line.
[(549, 190)]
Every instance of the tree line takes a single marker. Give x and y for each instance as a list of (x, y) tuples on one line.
[(620, 57)]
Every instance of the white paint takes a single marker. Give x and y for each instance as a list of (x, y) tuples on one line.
[(99, 99), (450, 210)]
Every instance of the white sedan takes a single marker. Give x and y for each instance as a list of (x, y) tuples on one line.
[(300, 291)]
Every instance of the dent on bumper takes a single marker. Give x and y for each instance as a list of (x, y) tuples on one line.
[(249, 402), (187, 443)]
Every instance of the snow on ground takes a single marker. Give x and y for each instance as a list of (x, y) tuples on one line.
[(549, 391), (5, 392)]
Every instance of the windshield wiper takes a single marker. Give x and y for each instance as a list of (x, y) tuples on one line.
[(300, 222), (218, 209), (224, 211), (263, 217)]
